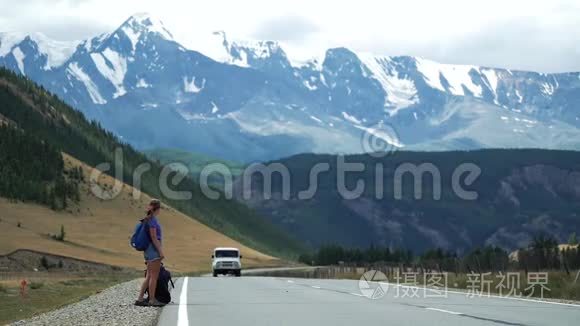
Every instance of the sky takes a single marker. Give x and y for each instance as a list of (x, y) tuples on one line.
[(527, 35)]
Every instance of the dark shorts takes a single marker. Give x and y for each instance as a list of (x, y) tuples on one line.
[(151, 253)]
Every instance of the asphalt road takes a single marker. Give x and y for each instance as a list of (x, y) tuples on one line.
[(254, 301)]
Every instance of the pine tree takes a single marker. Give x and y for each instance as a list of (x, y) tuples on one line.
[(573, 239), (62, 233)]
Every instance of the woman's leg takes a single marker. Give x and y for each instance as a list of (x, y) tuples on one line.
[(153, 270), (145, 284)]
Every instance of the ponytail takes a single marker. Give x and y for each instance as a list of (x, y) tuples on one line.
[(154, 205)]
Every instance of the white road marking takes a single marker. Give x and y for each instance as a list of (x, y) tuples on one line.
[(182, 319), (465, 294), (316, 287), (445, 311)]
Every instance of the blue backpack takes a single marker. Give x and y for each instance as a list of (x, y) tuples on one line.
[(141, 238)]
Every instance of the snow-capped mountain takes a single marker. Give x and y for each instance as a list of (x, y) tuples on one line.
[(251, 100)]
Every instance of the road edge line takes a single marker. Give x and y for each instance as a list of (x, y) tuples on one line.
[(445, 311), (182, 318)]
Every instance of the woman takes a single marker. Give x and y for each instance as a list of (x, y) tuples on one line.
[(153, 256)]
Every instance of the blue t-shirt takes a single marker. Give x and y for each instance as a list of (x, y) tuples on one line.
[(153, 223)]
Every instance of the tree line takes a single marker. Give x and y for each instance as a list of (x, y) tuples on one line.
[(543, 253), (33, 170)]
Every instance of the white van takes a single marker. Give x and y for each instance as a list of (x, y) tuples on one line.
[(226, 261)]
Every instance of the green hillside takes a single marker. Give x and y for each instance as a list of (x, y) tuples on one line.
[(32, 170), (521, 193), (195, 162), (44, 117)]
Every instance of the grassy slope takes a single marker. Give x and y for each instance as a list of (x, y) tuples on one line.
[(99, 231)]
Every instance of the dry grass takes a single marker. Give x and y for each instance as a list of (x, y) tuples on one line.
[(99, 231), (43, 296)]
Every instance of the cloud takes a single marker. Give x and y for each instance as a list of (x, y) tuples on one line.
[(517, 34), (60, 19), (72, 28), (290, 28), (523, 43), (543, 43)]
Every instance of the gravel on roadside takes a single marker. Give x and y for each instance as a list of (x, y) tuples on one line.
[(113, 306)]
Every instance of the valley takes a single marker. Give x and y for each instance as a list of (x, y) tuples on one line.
[(517, 195), (314, 163)]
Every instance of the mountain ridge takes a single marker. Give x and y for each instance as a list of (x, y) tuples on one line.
[(275, 104)]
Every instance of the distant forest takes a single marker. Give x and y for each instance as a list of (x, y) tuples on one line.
[(32, 170), (543, 253)]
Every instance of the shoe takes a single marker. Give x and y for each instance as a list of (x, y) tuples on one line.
[(156, 303), (142, 303)]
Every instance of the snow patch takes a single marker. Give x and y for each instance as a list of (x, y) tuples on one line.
[(191, 116), (308, 85), (350, 118), (217, 47), (520, 98), (113, 67), (8, 41), (431, 72), (151, 25), (132, 36), (315, 119), (548, 89), (258, 49), (19, 57), (492, 81), (57, 52), (91, 87), (147, 106), (142, 83), (214, 108), (456, 75), (323, 79), (190, 87), (302, 57), (400, 92)]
